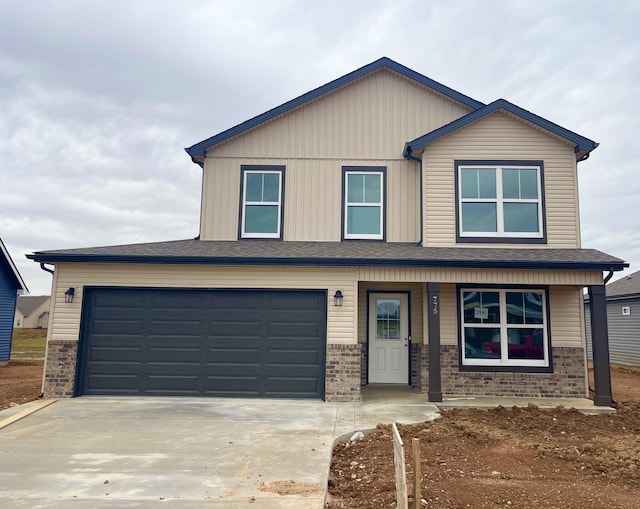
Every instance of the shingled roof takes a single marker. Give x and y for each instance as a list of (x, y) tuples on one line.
[(290, 253), (626, 287), (27, 304)]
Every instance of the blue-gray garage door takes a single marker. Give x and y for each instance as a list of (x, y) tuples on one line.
[(192, 342)]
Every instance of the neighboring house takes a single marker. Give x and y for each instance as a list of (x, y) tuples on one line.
[(380, 229), (32, 312), (11, 285), (623, 318)]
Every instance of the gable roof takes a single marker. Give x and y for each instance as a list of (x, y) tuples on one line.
[(340, 254), (198, 150), (20, 285), (626, 287), (27, 304), (583, 146)]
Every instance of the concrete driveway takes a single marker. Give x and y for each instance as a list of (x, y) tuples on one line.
[(183, 452)]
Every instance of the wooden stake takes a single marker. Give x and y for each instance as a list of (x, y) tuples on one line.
[(417, 475)]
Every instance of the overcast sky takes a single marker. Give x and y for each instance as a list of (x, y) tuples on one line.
[(98, 99)]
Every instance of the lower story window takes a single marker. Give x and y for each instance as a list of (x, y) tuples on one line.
[(504, 327)]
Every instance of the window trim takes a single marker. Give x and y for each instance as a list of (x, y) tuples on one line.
[(501, 237), (246, 169), (381, 171), (513, 366)]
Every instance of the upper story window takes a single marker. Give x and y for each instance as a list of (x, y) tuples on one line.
[(261, 210), (500, 201), (503, 327), (364, 197)]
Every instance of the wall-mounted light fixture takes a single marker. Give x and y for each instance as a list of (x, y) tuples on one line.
[(337, 298), (68, 295)]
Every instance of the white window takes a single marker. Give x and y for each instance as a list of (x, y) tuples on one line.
[(261, 203), (364, 204), (500, 201), (503, 327)]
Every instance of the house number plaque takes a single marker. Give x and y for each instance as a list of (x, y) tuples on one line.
[(435, 305)]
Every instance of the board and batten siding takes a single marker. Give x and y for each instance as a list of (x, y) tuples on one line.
[(369, 118), (624, 331), (365, 123), (501, 137), (312, 198), (65, 322)]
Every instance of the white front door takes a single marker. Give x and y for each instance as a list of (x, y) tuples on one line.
[(389, 338)]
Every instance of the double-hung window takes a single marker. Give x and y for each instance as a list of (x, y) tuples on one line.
[(504, 327), (501, 200), (261, 211), (364, 194)]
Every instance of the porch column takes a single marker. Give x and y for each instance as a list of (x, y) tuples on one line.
[(600, 345), (433, 313)]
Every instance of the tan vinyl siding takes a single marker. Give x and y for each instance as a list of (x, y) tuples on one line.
[(416, 307), (363, 124), (566, 316), (372, 117), (448, 315), (312, 198), (516, 277), (501, 137), (341, 326)]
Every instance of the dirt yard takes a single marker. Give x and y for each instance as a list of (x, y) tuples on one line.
[(516, 458), (21, 378)]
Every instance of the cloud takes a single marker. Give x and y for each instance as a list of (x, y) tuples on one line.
[(99, 98)]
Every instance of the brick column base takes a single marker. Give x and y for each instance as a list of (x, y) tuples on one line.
[(60, 368), (342, 378)]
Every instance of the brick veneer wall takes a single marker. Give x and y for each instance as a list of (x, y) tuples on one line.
[(60, 374), (567, 380), (364, 364), (343, 372), (416, 364)]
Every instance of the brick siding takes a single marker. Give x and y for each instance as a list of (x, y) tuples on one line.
[(567, 380), (60, 369), (343, 373)]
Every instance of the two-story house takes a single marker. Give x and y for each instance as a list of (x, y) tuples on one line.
[(380, 229)]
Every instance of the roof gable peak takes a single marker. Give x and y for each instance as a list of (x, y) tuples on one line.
[(198, 151), (582, 146)]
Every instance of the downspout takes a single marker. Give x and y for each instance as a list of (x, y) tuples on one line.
[(45, 268), (407, 155), (609, 276)]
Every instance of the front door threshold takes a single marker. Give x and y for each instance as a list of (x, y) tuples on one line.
[(391, 393)]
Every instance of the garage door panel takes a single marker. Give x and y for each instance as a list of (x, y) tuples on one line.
[(116, 354), (175, 328), (173, 355), (104, 384), (293, 357), (301, 387), (249, 343), (298, 330), (233, 356), (235, 329), (118, 327), (119, 299)]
